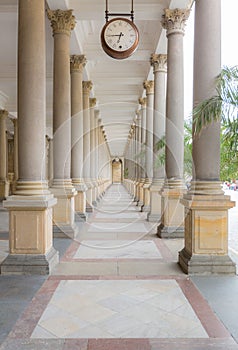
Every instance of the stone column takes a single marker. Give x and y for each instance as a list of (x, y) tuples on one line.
[(142, 102), (4, 184), (149, 87), (172, 220), (51, 162), (138, 155), (62, 22), (92, 103), (30, 228), (16, 173), (97, 119), (159, 63), (77, 63), (87, 86), (206, 206)]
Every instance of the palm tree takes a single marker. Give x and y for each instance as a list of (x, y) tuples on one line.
[(223, 106)]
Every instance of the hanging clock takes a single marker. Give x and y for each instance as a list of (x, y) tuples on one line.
[(119, 38)]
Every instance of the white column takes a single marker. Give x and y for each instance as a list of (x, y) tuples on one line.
[(206, 206), (62, 23), (30, 227), (4, 185), (92, 103), (16, 174), (172, 221), (142, 102), (87, 86), (77, 63), (159, 63), (149, 87)]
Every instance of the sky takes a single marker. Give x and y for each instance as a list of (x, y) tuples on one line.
[(229, 55)]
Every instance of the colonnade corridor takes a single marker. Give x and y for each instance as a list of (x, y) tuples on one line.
[(117, 286)]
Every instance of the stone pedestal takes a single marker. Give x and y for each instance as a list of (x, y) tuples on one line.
[(30, 253), (64, 211), (146, 195), (155, 201), (206, 235), (172, 218)]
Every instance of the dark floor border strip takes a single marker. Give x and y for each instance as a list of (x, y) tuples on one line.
[(121, 344), (210, 322), (27, 322)]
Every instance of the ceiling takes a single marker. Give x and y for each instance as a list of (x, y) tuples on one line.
[(117, 84)]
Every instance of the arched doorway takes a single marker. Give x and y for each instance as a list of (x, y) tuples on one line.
[(116, 170)]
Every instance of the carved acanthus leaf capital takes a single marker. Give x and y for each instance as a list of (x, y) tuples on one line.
[(62, 22), (92, 102), (174, 20), (159, 62), (149, 86), (77, 63), (142, 101), (3, 113), (87, 86)]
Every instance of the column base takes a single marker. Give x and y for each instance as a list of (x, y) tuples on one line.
[(64, 231), (206, 264), (4, 189), (30, 264), (63, 212), (89, 208), (172, 219), (145, 208), (170, 231), (80, 217), (153, 217)]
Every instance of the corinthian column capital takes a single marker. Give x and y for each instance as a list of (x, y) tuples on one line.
[(174, 20), (159, 62), (77, 63), (142, 101), (87, 86), (149, 86), (62, 22), (92, 102), (3, 113)]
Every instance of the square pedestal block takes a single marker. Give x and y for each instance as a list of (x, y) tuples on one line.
[(206, 235)]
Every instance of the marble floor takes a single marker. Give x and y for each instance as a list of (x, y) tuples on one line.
[(118, 286)]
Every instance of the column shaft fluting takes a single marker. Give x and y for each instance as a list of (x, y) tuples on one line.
[(93, 102), (174, 22), (31, 92), (77, 63), (87, 86), (207, 66), (149, 86), (3, 144), (142, 102), (159, 63), (62, 23)]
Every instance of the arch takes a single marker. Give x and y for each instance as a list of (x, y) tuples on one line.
[(117, 170)]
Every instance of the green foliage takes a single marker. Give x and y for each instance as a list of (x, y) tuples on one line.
[(223, 106), (188, 162), (126, 173)]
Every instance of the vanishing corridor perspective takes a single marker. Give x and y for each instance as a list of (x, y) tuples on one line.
[(103, 243)]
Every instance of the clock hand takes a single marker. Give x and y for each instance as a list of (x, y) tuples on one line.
[(120, 35)]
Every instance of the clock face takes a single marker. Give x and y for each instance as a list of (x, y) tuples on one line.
[(119, 38), (120, 35)]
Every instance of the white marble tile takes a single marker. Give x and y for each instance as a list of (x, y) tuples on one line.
[(125, 249), (119, 308), (117, 227)]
